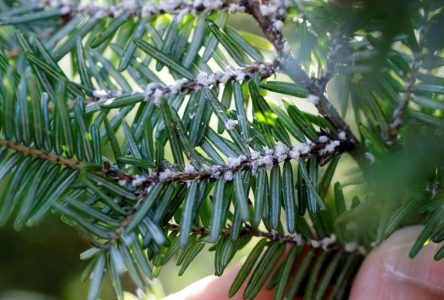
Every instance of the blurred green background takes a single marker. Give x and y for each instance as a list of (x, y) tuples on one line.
[(43, 263)]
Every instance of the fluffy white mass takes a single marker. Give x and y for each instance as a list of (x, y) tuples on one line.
[(189, 169), (230, 124), (234, 162), (281, 151), (147, 10), (342, 135), (313, 99), (101, 93), (323, 139), (166, 175), (138, 180)]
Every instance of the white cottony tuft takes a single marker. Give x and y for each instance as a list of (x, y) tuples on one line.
[(151, 88), (268, 151), (189, 169), (315, 243), (138, 180), (157, 96), (323, 139), (362, 250), (286, 49), (228, 176), (294, 154), (154, 91), (234, 162), (230, 124), (235, 7), (328, 241), (255, 155), (330, 147), (298, 239), (264, 9), (240, 75), (166, 175), (281, 151), (370, 157), (313, 99), (215, 171), (101, 93), (305, 148), (342, 135), (202, 79), (351, 246), (278, 24), (148, 10), (176, 88), (267, 161), (65, 9)]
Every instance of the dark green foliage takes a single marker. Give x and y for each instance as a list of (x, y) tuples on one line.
[(159, 138)]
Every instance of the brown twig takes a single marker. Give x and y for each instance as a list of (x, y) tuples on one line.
[(263, 70), (58, 159), (178, 178), (400, 111), (327, 244), (293, 69), (185, 177)]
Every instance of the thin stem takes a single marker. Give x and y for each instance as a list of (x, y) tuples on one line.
[(400, 111), (154, 90), (16, 52), (125, 222), (293, 69), (267, 24), (246, 231), (58, 159), (134, 9), (325, 151), (327, 244), (62, 160)]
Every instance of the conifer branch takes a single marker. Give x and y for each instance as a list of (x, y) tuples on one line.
[(16, 52), (325, 150), (399, 113), (269, 18), (155, 91), (146, 11), (329, 243), (401, 110), (58, 159), (223, 183)]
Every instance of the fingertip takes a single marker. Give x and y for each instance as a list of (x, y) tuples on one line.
[(216, 288), (389, 273)]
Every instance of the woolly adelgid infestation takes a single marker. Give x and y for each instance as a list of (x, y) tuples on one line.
[(161, 129)]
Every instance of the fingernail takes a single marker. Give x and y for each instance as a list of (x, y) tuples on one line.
[(421, 274), (389, 273)]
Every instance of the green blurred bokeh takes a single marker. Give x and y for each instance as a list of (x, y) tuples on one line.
[(42, 263)]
